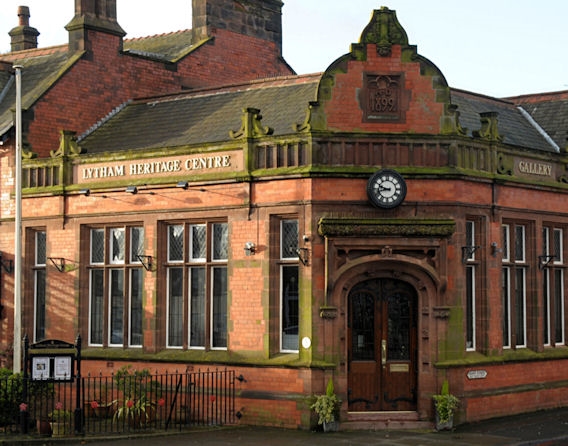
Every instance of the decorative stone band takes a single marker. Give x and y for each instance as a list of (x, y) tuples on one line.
[(364, 227)]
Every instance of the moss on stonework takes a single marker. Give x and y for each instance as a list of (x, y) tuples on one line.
[(358, 227), (507, 356), (203, 357)]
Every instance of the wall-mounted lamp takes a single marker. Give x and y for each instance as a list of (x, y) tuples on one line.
[(8, 265), (132, 189), (86, 192), (146, 262), (250, 248), (63, 265), (495, 249), (544, 260), (467, 252), (303, 254), (182, 184)]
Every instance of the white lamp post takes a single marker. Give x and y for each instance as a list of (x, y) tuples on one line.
[(18, 228)]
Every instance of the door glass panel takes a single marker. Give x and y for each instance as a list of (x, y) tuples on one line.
[(398, 327), (363, 326)]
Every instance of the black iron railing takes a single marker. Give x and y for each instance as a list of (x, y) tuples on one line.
[(124, 402)]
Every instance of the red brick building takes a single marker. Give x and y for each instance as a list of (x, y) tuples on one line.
[(368, 224)]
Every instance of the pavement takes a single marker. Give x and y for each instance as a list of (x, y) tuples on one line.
[(544, 428)]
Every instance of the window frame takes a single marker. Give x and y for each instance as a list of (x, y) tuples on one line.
[(288, 260), (515, 283), (471, 278), (101, 272), (193, 261), (553, 285), (40, 286)]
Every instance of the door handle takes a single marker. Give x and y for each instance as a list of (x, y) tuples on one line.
[(384, 352)]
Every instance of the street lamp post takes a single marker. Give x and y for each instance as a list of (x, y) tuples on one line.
[(17, 366)]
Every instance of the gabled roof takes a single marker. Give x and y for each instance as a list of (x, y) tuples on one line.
[(42, 68), (515, 127), (204, 116)]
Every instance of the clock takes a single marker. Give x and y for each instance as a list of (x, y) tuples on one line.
[(386, 189)]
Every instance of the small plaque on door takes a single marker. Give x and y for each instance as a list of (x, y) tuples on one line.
[(399, 368)]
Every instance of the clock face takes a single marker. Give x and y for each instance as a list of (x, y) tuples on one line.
[(386, 188)]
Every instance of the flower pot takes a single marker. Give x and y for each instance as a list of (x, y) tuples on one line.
[(58, 429), (330, 426), (444, 426), (43, 428)]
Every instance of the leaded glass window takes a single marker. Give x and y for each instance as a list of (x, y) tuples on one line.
[(39, 286), (289, 286), (116, 284), (197, 293)]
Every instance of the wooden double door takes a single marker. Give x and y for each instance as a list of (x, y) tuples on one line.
[(382, 346)]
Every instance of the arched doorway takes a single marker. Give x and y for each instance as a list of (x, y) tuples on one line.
[(382, 348)]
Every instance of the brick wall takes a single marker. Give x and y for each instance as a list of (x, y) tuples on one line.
[(344, 110)]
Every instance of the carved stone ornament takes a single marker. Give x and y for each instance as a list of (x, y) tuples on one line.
[(384, 30), (251, 126), (489, 127), (340, 227), (441, 312), (67, 145), (327, 312)]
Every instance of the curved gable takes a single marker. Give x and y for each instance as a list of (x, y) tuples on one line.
[(383, 84)]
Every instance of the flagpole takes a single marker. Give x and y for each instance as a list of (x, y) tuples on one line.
[(17, 366)]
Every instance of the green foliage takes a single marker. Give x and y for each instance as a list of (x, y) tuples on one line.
[(135, 412), (136, 383), (60, 416), (445, 403), (327, 406), (10, 396), (138, 389)]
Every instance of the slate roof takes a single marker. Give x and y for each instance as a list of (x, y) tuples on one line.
[(168, 47), (44, 66), (550, 110), (204, 116), (514, 127), (208, 116)]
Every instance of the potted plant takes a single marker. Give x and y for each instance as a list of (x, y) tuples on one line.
[(136, 412), (327, 408), (60, 420), (445, 404), (139, 391)]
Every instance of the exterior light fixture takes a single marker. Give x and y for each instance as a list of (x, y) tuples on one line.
[(250, 248), (182, 184), (132, 189), (545, 259), (303, 254), (86, 192)]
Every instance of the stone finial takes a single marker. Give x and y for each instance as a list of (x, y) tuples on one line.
[(451, 121), (67, 145), (489, 127), (384, 30), (251, 126)]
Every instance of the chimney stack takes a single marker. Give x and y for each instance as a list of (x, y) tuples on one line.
[(255, 18), (93, 16), (24, 37)]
